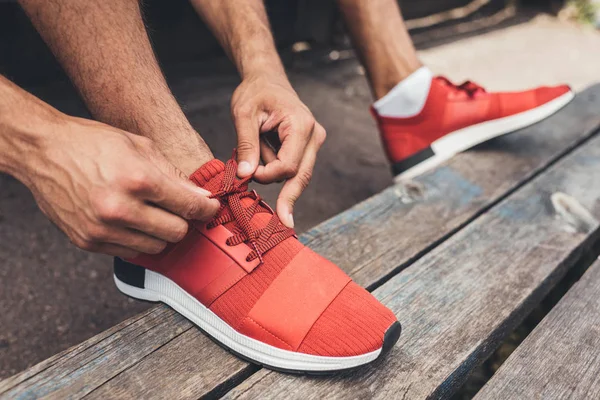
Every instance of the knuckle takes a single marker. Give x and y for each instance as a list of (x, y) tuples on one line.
[(96, 233), (311, 122), (304, 178), (245, 146), (190, 210), (180, 231), (180, 174), (84, 244), (292, 198), (241, 110), (309, 125), (290, 169), (110, 208), (139, 181), (320, 135)]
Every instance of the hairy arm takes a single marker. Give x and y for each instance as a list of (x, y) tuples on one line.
[(264, 101), (104, 47), (109, 190), (243, 30)]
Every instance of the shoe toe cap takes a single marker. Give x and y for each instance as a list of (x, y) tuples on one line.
[(355, 323)]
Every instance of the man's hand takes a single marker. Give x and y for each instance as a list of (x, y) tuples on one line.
[(268, 103), (111, 191)]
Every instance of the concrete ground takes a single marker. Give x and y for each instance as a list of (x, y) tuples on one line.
[(53, 296)]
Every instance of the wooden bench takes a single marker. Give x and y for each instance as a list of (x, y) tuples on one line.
[(461, 254), (559, 360)]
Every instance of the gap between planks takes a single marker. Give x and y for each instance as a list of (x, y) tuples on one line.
[(559, 359)]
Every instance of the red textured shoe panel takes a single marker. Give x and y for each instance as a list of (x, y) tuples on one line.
[(297, 298)]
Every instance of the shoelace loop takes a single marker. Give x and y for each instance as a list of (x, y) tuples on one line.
[(469, 87), (231, 193)]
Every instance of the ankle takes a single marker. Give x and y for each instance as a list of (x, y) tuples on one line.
[(393, 78), (188, 155), (408, 97)]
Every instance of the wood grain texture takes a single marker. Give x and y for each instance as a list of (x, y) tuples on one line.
[(67, 354), (189, 366), (370, 241), (80, 369), (460, 300), (560, 358)]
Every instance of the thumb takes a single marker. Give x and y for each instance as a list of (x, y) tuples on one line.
[(184, 198), (181, 196), (248, 145)]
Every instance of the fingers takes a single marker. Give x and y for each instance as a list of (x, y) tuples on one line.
[(100, 239), (165, 185), (295, 135), (160, 224), (183, 198), (294, 187), (267, 154), (248, 147), (136, 241), (117, 212)]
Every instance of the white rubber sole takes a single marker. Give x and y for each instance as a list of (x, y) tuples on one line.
[(159, 288), (458, 141)]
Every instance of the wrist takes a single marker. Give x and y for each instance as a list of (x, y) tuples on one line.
[(261, 62), (267, 74), (24, 131)]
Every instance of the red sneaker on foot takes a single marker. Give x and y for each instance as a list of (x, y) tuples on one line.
[(246, 280), (456, 118)]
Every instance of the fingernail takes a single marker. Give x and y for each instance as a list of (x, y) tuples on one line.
[(290, 220), (244, 168)]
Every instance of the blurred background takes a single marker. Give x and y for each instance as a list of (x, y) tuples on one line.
[(53, 296)]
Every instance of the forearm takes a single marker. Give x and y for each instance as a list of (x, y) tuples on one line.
[(22, 117), (105, 50), (242, 28)]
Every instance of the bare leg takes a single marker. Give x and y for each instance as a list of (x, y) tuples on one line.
[(381, 41), (104, 47)]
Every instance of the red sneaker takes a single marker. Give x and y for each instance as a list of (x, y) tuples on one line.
[(456, 118), (247, 282)]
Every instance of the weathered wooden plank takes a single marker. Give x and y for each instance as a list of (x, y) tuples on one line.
[(185, 364), (83, 367), (560, 358), (385, 233), (459, 301), (67, 354)]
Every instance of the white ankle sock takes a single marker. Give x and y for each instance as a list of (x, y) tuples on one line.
[(408, 97)]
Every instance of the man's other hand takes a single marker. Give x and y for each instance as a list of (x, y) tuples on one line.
[(264, 103)]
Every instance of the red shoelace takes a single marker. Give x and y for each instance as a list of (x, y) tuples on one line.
[(232, 191), (469, 87)]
